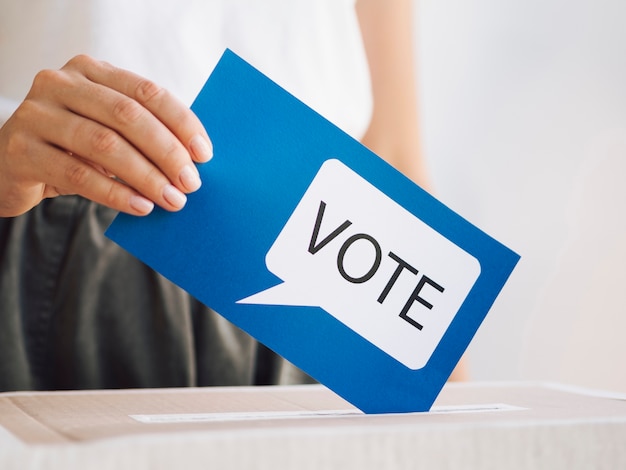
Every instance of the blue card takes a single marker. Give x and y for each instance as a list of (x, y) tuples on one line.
[(321, 250)]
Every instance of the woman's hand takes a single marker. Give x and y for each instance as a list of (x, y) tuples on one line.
[(104, 133)]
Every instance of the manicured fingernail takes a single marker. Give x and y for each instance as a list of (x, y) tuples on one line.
[(190, 178), (174, 196), (141, 204), (202, 148)]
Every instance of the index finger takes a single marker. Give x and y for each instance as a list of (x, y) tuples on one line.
[(178, 118)]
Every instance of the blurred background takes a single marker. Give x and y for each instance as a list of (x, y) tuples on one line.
[(523, 108)]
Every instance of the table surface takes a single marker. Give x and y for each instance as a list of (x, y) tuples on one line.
[(472, 425)]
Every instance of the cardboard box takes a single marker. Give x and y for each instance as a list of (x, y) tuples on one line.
[(471, 426)]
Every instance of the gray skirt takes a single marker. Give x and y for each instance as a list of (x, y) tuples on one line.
[(79, 312)]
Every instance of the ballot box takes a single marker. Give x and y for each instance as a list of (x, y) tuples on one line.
[(471, 426)]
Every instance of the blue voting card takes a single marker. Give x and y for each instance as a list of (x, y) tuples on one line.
[(321, 250)]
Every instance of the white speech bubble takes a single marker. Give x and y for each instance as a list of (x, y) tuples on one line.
[(351, 250)]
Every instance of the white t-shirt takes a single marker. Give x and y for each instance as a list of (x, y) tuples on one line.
[(313, 48)]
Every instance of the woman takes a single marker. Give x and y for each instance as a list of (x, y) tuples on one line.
[(79, 312)]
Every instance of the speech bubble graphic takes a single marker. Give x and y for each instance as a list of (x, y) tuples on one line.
[(374, 266)]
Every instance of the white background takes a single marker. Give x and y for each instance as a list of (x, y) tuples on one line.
[(523, 108)]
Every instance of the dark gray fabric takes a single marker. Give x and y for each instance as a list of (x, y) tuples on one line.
[(78, 312)]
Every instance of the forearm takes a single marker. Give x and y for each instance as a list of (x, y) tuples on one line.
[(387, 29)]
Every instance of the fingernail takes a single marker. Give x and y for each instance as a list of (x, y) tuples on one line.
[(141, 204), (202, 148), (190, 178), (174, 196)]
